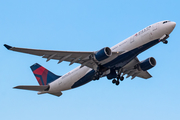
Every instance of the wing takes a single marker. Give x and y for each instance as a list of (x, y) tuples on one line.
[(70, 56), (130, 71)]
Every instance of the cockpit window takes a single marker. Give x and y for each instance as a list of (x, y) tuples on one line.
[(165, 22)]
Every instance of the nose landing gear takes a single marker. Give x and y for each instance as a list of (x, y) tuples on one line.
[(163, 38), (165, 41)]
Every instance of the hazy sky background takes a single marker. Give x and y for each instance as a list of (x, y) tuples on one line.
[(87, 25)]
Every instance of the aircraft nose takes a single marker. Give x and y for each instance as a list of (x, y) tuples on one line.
[(169, 27), (173, 24)]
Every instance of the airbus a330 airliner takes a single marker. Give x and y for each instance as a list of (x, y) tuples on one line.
[(114, 62)]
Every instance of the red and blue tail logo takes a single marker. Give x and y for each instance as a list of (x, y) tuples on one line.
[(42, 75)]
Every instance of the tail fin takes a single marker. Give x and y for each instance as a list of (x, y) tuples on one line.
[(42, 75)]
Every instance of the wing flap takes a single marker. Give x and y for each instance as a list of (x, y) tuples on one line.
[(144, 74)]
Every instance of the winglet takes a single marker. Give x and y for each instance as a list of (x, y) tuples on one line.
[(7, 46)]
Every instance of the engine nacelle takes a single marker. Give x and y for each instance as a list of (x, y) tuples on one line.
[(103, 54), (147, 64)]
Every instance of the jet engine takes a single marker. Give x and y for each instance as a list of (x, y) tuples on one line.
[(103, 54), (147, 64)]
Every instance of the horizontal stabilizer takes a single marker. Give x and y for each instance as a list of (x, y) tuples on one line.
[(34, 88), (56, 94)]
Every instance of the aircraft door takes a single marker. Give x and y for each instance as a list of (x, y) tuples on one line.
[(150, 36), (131, 39), (134, 38), (152, 33), (154, 27)]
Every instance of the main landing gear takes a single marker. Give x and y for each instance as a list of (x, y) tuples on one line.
[(99, 72), (119, 77), (116, 81), (97, 75)]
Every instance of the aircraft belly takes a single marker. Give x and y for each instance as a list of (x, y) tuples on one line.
[(75, 78), (85, 79), (125, 58)]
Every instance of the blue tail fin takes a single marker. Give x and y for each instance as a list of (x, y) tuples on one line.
[(42, 75)]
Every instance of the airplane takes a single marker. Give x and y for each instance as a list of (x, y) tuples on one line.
[(113, 63)]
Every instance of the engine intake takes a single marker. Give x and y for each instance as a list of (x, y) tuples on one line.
[(147, 64), (103, 54)]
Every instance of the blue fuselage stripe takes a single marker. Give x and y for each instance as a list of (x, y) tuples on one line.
[(125, 58), (87, 78)]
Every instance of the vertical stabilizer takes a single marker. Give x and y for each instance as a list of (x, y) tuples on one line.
[(43, 75)]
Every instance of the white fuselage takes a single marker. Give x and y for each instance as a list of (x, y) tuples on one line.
[(148, 34)]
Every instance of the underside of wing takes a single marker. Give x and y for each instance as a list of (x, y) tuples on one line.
[(69, 56), (131, 71), (83, 58)]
